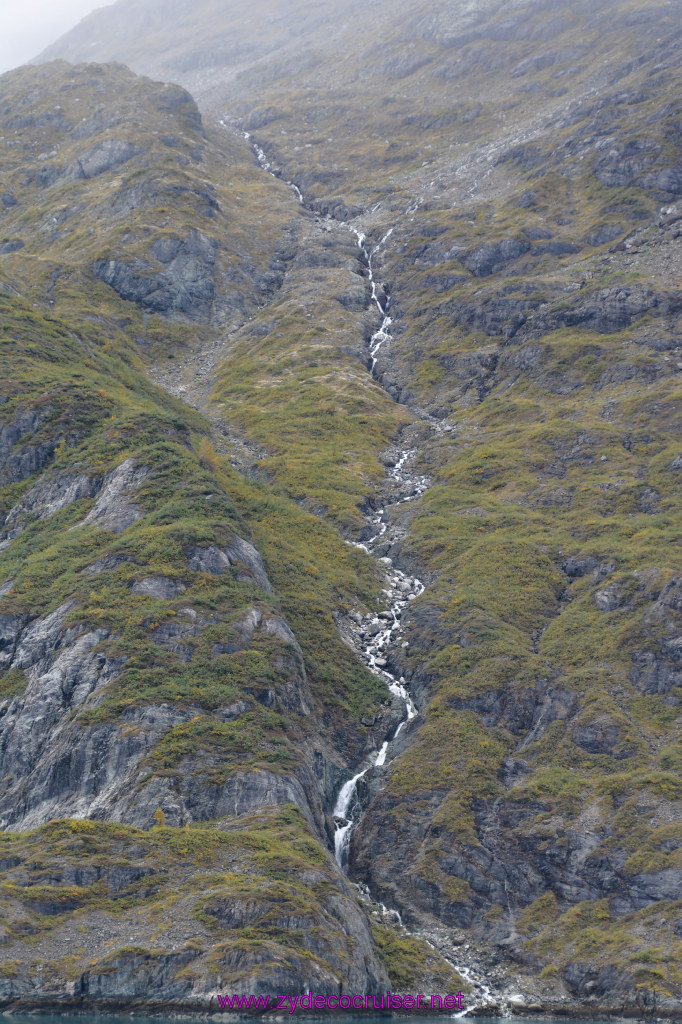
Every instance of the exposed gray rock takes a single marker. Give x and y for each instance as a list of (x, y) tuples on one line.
[(235, 710), (106, 563), (655, 671), (576, 567), (238, 553), (611, 309), (668, 180), (599, 736), (648, 501), (11, 245), (245, 628), (604, 233), (185, 286), (243, 793), (242, 553), (63, 670), (16, 466), (609, 598), (211, 560), (625, 161), (52, 493), (670, 598), (103, 157), (490, 257), (159, 587), (673, 650), (10, 631), (112, 510), (277, 626), (170, 635)]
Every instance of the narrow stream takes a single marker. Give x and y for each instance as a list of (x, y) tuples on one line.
[(382, 633)]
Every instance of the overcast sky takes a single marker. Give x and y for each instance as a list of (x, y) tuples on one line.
[(28, 26)]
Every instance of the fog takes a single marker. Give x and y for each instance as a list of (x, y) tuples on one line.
[(28, 26)]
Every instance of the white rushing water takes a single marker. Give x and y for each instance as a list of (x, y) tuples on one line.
[(383, 633)]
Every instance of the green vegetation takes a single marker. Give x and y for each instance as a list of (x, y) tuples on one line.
[(414, 965), (264, 885)]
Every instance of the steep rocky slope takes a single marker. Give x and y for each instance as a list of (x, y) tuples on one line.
[(160, 673), (526, 161)]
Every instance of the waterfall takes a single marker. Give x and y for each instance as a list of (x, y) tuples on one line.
[(401, 589)]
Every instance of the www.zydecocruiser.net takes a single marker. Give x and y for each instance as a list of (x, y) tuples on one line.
[(357, 1003)]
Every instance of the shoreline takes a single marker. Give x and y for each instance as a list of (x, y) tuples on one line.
[(202, 1010)]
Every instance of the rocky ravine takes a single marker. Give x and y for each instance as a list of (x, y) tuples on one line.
[(530, 182)]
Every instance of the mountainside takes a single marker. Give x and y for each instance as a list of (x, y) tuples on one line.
[(341, 445)]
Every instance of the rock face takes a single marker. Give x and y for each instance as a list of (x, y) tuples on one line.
[(112, 510), (239, 553), (185, 285), (178, 713)]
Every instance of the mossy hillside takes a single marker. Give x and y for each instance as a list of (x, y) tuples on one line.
[(503, 624), (117, 414), (296, 379), (317, 578), (442, 83), (643, 943), (104, 165), (415, 966), (108, 891), (537, 397)]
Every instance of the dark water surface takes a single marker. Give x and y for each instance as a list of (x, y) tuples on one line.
[(93, 1018)]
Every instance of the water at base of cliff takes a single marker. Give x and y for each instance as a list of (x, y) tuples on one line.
[(43, 1016)]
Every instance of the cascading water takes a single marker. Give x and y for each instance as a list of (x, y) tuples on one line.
[(382, 632)]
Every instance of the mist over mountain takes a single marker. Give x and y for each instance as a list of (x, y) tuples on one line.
[(340, 583)]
